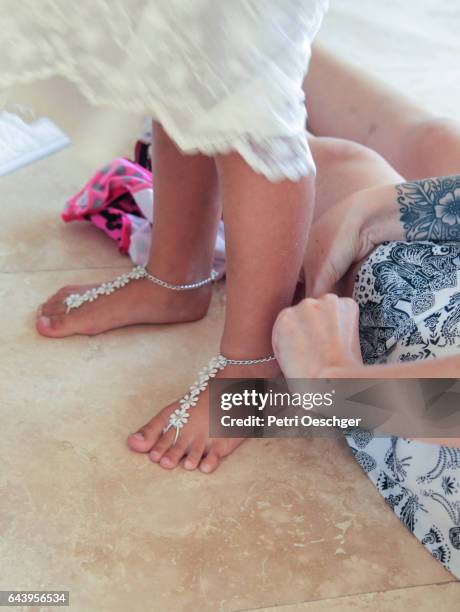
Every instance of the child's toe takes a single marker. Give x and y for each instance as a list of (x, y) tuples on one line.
[(194, 456), (53, 326), (143, 440), (172, 457), (210, 462), (164, 444), (54, 306)]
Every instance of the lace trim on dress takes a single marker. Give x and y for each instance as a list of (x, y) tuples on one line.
[(220, 75)]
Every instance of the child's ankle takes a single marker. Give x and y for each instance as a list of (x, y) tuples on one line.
[(244, 350)]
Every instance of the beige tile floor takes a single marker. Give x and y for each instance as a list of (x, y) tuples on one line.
[(283, 525)]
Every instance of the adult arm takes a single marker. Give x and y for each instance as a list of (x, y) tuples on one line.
[(319, 338), (427, 209)]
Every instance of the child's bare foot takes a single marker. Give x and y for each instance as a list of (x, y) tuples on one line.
[(194, 442), (141, 301)]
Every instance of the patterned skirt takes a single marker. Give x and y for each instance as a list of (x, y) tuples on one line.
[(409, 298)]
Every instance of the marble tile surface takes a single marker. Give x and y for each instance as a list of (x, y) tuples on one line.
[(32, 235), (422, 599), (281, 521)]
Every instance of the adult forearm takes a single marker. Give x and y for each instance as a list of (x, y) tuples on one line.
[(427, 209), (448, 367)]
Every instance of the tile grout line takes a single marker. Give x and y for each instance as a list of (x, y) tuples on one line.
[(306, 601)]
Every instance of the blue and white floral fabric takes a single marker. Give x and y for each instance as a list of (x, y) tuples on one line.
[(409, 298)]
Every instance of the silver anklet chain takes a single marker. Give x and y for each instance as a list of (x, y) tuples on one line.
[(186, 287), (75, 300), (178, 419)]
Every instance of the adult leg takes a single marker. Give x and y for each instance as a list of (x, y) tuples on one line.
[(344, 167), (183, 237), (346, 102), (266, 227)]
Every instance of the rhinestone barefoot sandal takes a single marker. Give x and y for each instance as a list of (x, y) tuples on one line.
[(75, 300), (179, 417)]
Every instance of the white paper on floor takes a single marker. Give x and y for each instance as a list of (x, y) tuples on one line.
[(23, 143)]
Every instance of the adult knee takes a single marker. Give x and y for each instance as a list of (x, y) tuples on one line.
[(434, 132), (432, 146), (335, 151), (351, 163)]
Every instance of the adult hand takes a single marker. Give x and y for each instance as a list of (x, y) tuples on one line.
[(346, 233), (317, 334)]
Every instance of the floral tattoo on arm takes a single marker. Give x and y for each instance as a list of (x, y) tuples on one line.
[(430, 209)]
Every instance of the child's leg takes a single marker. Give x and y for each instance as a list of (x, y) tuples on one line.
[(346, 102), (183, 237), (266, 226)]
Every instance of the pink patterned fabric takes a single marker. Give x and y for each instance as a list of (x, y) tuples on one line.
[(118, 199), (108, 200)]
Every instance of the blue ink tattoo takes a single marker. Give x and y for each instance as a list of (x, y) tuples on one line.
[(430, 209)]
